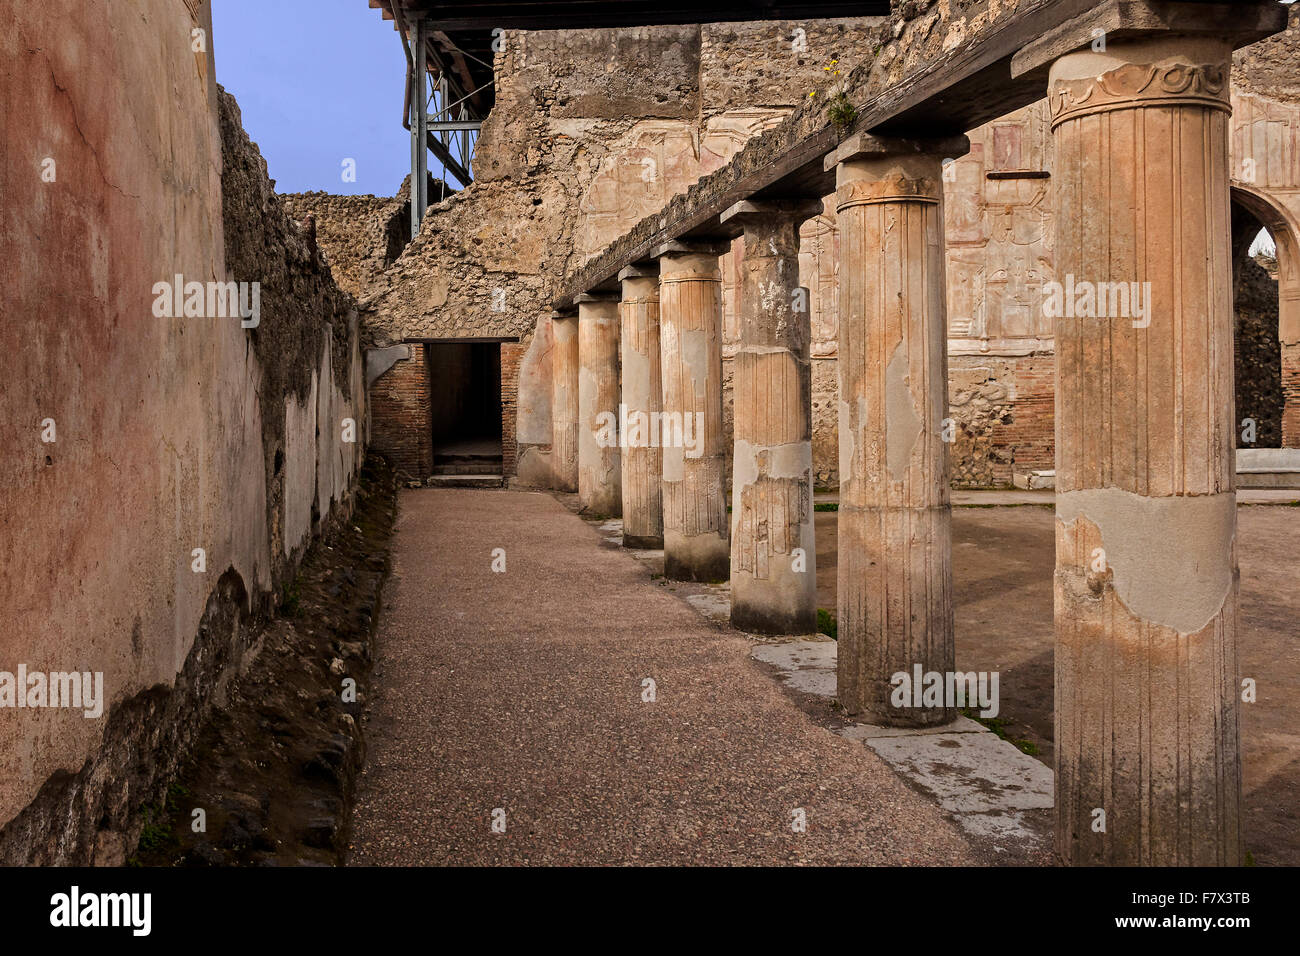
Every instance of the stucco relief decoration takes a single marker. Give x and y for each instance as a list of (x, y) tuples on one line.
[(1149, 84), (655, 161)]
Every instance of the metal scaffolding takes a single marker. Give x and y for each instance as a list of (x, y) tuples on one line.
[(443, 110)]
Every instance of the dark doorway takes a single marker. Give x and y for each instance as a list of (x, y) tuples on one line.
[(465, 405)]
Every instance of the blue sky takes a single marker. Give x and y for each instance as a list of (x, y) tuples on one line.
[(317, 81)]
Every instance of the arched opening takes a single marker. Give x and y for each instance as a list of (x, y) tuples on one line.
[(1258, 355), (1266, 305)]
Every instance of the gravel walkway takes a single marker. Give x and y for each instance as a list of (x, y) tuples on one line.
[(523, 691)]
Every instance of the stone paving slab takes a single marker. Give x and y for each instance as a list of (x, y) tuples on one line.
[(869, 732), (970, 773), (518, 696), (985, 782)]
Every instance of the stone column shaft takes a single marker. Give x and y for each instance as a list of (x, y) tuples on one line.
[(564, 402), (1288, 291), (690, 339), (773, 551), (1146, 567), (599, 468), (643, 516), (895, 572)]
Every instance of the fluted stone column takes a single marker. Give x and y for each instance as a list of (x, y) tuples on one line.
[(643, 515), (564, 401), (895, 571), (773, 552), (599, 468), (1146, 566), (690, 339)]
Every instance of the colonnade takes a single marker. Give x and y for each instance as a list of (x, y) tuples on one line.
[(1146, 572)]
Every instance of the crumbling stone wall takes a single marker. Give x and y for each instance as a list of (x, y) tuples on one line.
[(607, 123), (192, 459), (1268, 67), (361, 236)]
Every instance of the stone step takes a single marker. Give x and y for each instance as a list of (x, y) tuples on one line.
[(465, 481), (456, 464), (1256, 468), (1268, 467), (478, 468)]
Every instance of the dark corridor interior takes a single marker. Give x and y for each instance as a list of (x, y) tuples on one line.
[(465, 404)]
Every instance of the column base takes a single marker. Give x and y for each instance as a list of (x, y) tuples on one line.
[(886, 715), (598, 509), (643, 542), (759, 620), (703, 557)]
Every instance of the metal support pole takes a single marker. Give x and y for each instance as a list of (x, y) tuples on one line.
[(419, 129), (414, 84)]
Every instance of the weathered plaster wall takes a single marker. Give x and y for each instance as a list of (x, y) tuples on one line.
[(171, 433)]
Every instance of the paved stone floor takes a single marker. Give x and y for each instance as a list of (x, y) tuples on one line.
[(523, 691)]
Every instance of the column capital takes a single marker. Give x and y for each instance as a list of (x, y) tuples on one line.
[(559, 315), (1116, 21), (867, 146), (688, 247), (590, 298), (639, 283), (760, 210), (640, 270)]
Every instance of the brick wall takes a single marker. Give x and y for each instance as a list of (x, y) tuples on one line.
[(512, 355), (1029, 439), (1004, 410), (1291, 396), (401, 424)]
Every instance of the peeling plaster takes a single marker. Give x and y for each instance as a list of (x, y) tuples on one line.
[(379, 361), (695, 355), (1171, 557), (791, 460), (903, 425), (589, 450), (674, 464), (636, 381)]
